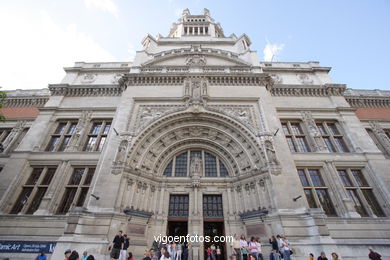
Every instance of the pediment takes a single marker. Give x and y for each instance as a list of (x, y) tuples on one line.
[(207, 58)]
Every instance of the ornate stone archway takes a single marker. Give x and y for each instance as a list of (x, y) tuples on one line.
[(238, 146)]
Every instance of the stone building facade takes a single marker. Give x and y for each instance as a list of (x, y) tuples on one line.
[(197, 136)]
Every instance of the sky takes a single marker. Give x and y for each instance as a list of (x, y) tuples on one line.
[(39, 38)]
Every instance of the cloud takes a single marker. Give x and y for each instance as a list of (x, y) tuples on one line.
[(104, 5), (271, 51), (35, 49)]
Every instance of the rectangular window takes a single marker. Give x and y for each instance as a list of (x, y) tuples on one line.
[(210, 165), (76, 189), (316, 191), (60, 138), (178, 206), (212, 206), (97, 135), (358, 189), (181, 165), (296, 138), (332, 136), (34, 190)]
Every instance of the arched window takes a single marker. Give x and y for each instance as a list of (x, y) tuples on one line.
[(179, 166)]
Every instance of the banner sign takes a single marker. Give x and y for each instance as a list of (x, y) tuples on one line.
[(26, 247)]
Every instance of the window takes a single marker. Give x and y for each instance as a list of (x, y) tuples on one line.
[(178, 206), (4, 133), (212, 206), (33, 190), (316, 191), (97, 136), (76, 189), (296, 138), (360, 192), (61, 137), (211, 166), (332, 137)]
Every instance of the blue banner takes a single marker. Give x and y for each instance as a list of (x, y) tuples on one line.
[(27, 247)]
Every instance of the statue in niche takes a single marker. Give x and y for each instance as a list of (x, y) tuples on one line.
[(196, 90), (204, 88), (196, 166), (187, 87), (271, 152), (120, 155)]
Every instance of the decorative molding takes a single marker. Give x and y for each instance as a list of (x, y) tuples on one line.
[(25, 101), (196, 50), (83, 91), (307, 90), (362, 101), (226, 80)]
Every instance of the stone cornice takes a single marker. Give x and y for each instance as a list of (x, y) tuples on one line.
[(25, 101), (178, 79), (307, 90), (366, 101), (85, 90)]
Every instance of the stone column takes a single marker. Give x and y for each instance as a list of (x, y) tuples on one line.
[(345, 204)]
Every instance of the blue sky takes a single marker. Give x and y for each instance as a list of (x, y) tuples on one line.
[(39, 38)]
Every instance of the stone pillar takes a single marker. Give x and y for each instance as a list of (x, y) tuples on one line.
[(345, 203), (121, 192)]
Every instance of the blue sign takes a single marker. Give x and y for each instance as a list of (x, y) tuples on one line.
[(27, 247)]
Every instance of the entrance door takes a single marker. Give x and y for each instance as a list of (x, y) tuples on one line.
[(213, 225), (177, 228), (213, 230)]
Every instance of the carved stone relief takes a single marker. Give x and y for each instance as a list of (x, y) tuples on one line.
[(195, 91), (88, 78), (196, 60), (317, 141), (116, 78), (13, 135), (244, 113), (148, 113), (277, 78), (74, 142), (304, 78)]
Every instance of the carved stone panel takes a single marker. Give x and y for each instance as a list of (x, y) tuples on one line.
[(244, 113), (149, 113)]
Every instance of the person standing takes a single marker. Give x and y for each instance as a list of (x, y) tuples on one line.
[(374, 255), (286, 249), (322, 256), (213, 251), (85, 255), (218, 253), (259, 251), (335, 256), (67, 253), (179, 250), (174, 251), (253, 248), (147, 255), (185, 251), (311, 257), (274, 249), (243, 247), (116, 246), (236, 247), (41, 256), (126, 244)]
